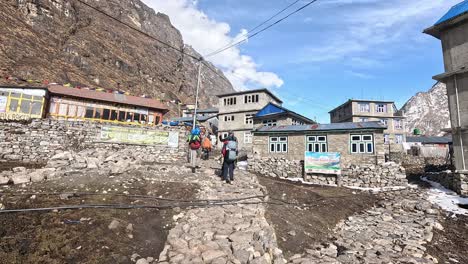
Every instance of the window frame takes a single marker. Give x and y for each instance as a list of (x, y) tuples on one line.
[(382, 107), (313, 143), (249, 119), (367, 109), (248, 138), (362, 145), (278, 144), (270, 122)]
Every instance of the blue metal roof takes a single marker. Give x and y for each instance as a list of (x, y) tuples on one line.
[(323, 127), (270, 109), (454, 12)]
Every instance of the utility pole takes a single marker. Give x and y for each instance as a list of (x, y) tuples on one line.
[(193, 155), (196, 95)]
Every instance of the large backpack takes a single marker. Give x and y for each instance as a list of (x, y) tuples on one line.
[(231, 149), (194, 142)]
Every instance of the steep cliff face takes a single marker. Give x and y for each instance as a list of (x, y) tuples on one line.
[(66, 41), (428, 111)]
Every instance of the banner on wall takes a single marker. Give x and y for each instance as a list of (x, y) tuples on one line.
[(14, 116), (3, 104), (113, 134), (322, 162)]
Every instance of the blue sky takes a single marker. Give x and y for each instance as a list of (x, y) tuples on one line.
[(330, 52)]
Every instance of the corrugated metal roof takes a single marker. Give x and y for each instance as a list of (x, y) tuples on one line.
[(271, 109), (107, 97), (454, 12), (206, 111), (324, 127), (190, 119), (430, 140)]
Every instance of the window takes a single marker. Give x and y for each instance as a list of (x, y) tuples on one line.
[(251, 98), (89, 112), (296, 122), (316, 143), (386, 138), (363, 144), (398, 124), (278, 144), (384, 121), (122, 115), (381, 108), (249, 119), (228, 118), (248, 138), (364, 107), (270, 122), (106, 114), (398, 139), (230, 101)]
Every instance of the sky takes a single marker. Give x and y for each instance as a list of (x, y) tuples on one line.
[(315, 60)]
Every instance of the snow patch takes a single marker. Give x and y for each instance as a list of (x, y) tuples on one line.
[(445, 198)]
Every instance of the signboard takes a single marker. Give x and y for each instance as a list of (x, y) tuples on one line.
[(14, 116), (3, 104), (322, 162), (113, 134)]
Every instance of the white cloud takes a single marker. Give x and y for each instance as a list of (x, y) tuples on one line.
[(207, 35), (360, 75), (366, 32)]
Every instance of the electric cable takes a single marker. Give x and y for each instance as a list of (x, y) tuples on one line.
[(261, 24), (262, 30), (136, 29)]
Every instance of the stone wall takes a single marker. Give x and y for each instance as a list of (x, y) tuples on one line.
[(387, 174), (457, 182), (40, 139)]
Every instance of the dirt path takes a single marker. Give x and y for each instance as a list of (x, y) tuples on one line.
[(85, 236), (297, 228)]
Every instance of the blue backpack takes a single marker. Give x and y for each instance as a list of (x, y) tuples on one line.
[(196, 131)]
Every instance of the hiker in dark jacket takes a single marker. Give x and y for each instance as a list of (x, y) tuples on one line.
[(230, 153)]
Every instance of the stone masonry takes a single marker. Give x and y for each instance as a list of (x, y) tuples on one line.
[(366, 176), (41, 139)]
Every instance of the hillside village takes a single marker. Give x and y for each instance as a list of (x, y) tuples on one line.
[(102, 162)]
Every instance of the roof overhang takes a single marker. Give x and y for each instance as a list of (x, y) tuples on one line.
[(444, 76), (436, 30)]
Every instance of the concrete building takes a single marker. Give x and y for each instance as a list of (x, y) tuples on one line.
[(372, 110), (452, 30), (358, 143), (236, 112)]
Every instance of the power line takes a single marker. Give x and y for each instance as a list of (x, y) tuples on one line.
[(259, 25), (262, 30), (136, 29)]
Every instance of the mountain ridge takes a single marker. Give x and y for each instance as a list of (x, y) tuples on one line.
[(68, 42)]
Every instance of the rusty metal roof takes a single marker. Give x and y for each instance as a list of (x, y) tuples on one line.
[(107, 97), (323, 127)]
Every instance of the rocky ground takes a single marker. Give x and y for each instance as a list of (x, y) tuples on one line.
[(203, 220)]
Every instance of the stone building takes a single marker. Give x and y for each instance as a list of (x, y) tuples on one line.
[(452, 30), (22, 103), (236, 112), (66, 103), (358, 143), (371, 110)]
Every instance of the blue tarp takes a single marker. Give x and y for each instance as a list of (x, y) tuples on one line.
[(270, 109), (455, 11)]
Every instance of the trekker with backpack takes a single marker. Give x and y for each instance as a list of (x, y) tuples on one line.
[(230, 153), (206, 147), (194, 141)]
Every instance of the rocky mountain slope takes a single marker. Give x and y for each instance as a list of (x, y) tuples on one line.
[(428, 111), (66, 41)]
